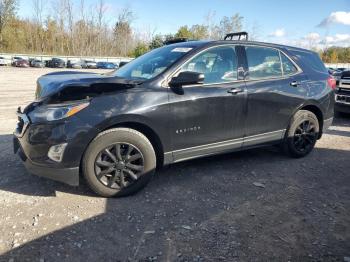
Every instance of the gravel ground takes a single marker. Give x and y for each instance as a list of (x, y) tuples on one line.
[(257, 205)]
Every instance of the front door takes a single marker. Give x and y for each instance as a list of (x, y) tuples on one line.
[(209, 118)]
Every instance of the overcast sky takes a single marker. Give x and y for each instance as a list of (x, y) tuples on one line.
[(295, 22)]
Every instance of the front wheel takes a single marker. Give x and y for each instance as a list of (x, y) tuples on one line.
[(119, 162), (302, 134)]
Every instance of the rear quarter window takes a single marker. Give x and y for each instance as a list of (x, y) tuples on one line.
[(310, 61)]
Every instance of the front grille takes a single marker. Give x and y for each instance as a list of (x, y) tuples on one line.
[(344, 83), (342, 99)]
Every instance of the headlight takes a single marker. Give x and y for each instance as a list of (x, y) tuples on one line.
[(56, 112)]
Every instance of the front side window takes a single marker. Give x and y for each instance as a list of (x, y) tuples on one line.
[(263, 62), (218, 64)]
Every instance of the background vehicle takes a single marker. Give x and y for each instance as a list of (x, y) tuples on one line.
[(87, 64), (177, 102), (336, 74), (342, 97), (341, 69), (106, 65), (122, 63), (74, 64), (4, 61), (56, 63), (21, 63), (37, 63), (14, 59)]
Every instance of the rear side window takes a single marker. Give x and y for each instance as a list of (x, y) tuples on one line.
[(287, 65), (263, 62)]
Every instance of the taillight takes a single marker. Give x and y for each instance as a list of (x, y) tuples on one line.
[(332, 83)]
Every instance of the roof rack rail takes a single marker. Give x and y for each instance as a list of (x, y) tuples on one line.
[(239, 34), (176, 40)]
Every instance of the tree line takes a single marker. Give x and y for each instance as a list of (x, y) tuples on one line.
[(70, 27), (335, 55)]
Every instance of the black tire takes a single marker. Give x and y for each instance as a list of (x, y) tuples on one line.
[(97, 163), (302, 134)]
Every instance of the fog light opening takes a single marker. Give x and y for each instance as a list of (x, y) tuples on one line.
[(56, 152)]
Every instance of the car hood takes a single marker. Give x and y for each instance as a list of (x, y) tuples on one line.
[(70, 82)]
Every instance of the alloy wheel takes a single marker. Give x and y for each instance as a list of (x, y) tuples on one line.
[(119, 165), (305, 136)]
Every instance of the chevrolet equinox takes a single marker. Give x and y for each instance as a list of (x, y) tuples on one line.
[(181, 101)]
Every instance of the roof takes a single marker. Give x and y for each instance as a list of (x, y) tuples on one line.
[(203, 43)]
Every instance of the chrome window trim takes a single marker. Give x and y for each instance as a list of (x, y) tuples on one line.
[(176, 71), (279, 53), (295, 64), (299, 70), (283, 76)]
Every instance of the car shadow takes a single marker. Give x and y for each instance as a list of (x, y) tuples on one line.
[(204, 209), (341, 121)]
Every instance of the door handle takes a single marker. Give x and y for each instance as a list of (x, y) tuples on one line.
[(235, 91), (295, 83)]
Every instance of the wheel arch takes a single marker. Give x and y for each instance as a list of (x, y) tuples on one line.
[(137, 122), (150, 134), (318, 112)]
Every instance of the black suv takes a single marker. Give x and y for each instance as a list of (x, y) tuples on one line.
[(56, 63), (342, 97), (178, 102)]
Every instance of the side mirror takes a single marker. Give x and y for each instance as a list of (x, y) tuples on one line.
[(186, 78)]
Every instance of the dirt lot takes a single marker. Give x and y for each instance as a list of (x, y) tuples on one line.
[(202, 210)]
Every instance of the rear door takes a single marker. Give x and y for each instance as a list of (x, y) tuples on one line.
[(209, 118), (275, 88)]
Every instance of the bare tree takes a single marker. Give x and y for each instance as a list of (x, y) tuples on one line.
[(210, 23), (228, 25), (123, 31), (38, 13), (70, 20), (101, 10), (255, 32), (7, 12)]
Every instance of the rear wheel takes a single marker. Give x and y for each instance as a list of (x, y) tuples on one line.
[(302, 134), (119, 162)]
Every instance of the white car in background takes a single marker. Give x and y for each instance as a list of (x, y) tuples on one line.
[(4, 61), (89, 64)]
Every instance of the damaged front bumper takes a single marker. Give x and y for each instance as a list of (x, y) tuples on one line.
[(68, 176), (32, 142)]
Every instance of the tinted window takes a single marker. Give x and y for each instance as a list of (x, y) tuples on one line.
[(311, 60), (288, 67), (218, 65), (152, 63), (263, 62)]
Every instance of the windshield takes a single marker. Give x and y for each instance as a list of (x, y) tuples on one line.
[(151, 64)]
